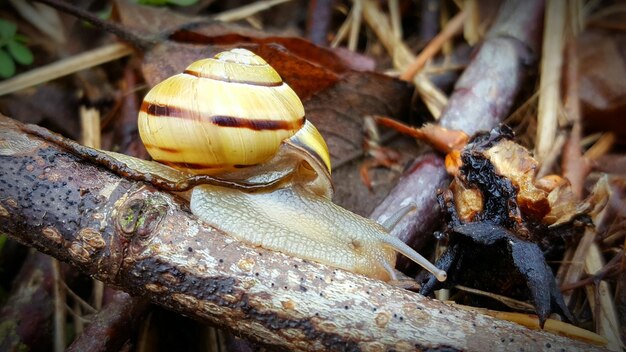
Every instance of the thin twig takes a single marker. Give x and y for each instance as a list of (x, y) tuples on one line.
[(318, 21), (454, 26), (59, 307), (355, 24), (550, 85), (76, 316), (90, 126), (247, 10), (509, 302), (79, 300), (601, 301), (575, 267), (611, 268), (136, 40), (601, 146), (48, 25), (79, 323), (552, 325), (575, 167), (342, 32), (65, 67), (471, 29), (396, 18)]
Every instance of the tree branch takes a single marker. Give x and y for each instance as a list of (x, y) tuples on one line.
[(482, 98), (112, 326), (144, 241)]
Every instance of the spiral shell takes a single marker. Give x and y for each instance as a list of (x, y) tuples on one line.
[(224, 113), (233, 115)]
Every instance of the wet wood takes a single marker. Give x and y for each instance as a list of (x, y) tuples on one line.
[(481, 100), (146, 242)]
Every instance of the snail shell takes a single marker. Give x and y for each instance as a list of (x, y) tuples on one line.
[(222, 114), (233, 116)]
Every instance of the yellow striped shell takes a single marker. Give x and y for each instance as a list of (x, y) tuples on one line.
[(222, 114), (233, 115)]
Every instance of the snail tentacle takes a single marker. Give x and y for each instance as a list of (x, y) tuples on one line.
[(394, 219), (410, 253), (391, 270)]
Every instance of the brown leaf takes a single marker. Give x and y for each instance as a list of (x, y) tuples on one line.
[(602, 85), (336, 93), (304, 66), (292, 57), (50, 106), (150, 20), (611, 164), (338, 111)]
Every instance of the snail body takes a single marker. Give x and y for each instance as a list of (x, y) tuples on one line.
[(294, 221), (231, 116)]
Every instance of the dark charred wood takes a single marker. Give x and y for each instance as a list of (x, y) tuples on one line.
[(12, 256), (499, 68)]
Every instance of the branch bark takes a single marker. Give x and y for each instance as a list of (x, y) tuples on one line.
[(146, 242), (482, 98), (112, 326)]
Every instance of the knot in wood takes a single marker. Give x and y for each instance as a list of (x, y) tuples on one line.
[(141, 217)]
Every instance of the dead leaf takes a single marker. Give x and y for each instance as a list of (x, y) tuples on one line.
[(602, 84), (50, 106)]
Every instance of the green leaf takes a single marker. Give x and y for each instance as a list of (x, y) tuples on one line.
[(7, 66), (3, 298), (7, 29), (21, 38), (152, 2), (165, 2), (105, 13), (3, 239), (20, 53), (182, 2)]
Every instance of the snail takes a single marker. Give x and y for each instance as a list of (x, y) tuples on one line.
[(229, 128)]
